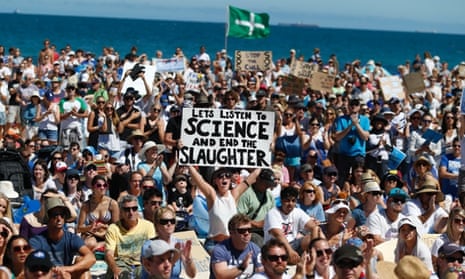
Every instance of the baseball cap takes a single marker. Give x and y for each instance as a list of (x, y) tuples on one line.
[(398, 193), (52, 203), (38, 260), (61, 166), (306, 167), (330, 169), (347, 255), (158, 247), (267, 175), (450, 248)]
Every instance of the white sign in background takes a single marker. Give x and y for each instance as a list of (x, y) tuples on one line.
[(226, 138), (138, 84)]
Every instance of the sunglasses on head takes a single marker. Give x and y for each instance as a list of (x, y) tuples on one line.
[(275, 258), (327, 252), (25, 248), (131, 208), (167, 221)]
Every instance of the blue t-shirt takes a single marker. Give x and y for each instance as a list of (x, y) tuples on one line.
[(314, 210), (352, 145), (61, 252), (452, 165), (225, 252)]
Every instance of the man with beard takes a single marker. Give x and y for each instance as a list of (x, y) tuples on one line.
[(274, 260), (62, 245)]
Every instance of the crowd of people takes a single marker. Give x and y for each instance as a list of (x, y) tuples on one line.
[(104, 168)]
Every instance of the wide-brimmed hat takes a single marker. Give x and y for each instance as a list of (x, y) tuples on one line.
[(411, 267), (52, 203), (430, 185), (148, 145), (422, 159), (7, 188), (371, 186), (136, 133)]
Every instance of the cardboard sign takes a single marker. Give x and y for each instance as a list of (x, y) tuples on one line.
[(253, 60), (414, 83), (322, 81), (462, 70), (292, 85), (175, 64), (392, 87), (138, 84), (303, 69), (226, 138)]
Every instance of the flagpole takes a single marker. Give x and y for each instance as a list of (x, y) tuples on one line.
[(226, 29)]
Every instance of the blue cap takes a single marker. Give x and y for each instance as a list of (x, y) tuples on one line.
[(398, 193)]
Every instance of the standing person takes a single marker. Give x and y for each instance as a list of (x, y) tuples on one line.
[(237, 256), (62, 245), (48, 119), (73, 110), (158, 258), (108, 136), (221, 201), (95, 122), (130, 116), (449, 168), (155, 125), (352, 134), (124, 240), (257, 201)]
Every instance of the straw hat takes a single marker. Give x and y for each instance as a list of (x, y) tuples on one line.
[(430, 185), (411, 267), (137, 133), (148, 145)]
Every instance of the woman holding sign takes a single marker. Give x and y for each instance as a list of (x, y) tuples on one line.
[(221, 201)]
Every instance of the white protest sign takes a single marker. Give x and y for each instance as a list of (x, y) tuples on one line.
[(193, 80), (253, 60), (138, 84), (392, 87), (175, 64), (226, 138)]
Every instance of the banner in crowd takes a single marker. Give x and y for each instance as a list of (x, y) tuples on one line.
[(136, 82), (246, 24), (175, 64), (323, 82), (392, 87), (462, 70), (303, 69), (253, 60), (292, 85), (414, 83), (226, 138)]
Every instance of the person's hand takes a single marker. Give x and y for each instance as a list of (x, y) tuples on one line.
[(354, 118), (311, 261), (301, 267), (246, 261), (185, 248)]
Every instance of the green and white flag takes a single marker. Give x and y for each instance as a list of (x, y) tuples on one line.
[(249, 25)]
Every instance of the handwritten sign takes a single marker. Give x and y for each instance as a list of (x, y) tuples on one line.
[(193, 81), (303, 69), (392, 87), (175, 64), (462, 70), (414, 83), (292, 85), (138, 84), (200, 257), (322, 81), (253, 60), (226, 138)]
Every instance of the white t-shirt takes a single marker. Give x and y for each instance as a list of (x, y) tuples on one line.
[(414, 208), (290, 224)]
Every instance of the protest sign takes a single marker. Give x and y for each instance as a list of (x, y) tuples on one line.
[(414, 82), (392, 87), (322, 81), (175, 64), (462, 70), (292, 85), (303, 69), (226, 138), (253, 60), (138, 84), (200, 257), (193, 81)]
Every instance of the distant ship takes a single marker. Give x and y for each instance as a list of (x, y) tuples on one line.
[(16, 11), (299, 24)]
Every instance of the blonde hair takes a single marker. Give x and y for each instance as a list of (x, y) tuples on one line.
[(8, 212), (457, 211)]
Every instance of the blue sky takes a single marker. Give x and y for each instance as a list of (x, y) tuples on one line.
[(399, 15)]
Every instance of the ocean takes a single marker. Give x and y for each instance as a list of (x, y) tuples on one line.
[(91, 34)]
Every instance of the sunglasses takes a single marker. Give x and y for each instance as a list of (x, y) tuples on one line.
[(338, 201), (459, 221), (331, 174), (454, 259), (100, 102), (73, 177), (224, 175), (348, 264), (91, 168), (4, 233), (109, 108), (288, 114), (101, 185), (398, 200), (457, 145), (25, 248), (275, 258), (309, 191), (315, 124), (57, 158), (155, 203), (376, 193), (156, 110), (327, 251), (167, 221), (41, 268), (243, 230), (56, 214), (131, 208), (146, 187)]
